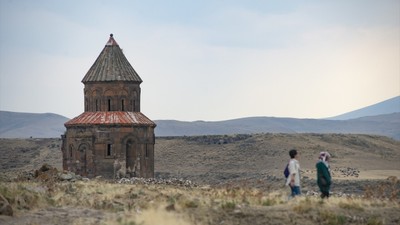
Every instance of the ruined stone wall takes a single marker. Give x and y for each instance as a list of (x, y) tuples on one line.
[(115, 96), (107, 150)]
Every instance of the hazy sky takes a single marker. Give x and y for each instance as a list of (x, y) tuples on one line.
[(205, 60)]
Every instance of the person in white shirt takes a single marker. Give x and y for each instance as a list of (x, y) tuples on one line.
[(293, 180)]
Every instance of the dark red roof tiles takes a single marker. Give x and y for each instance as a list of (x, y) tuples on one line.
[(110, 118)]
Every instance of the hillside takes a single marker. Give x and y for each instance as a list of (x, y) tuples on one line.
[(389, 106), (25, 125), (388, 125), (224, 158)]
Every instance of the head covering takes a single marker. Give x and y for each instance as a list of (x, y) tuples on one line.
[(323, 156)]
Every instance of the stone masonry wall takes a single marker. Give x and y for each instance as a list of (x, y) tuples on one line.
[(109, 151), (115, 96)]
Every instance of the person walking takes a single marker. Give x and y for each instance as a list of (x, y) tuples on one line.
[(324, 179), (293, 180)]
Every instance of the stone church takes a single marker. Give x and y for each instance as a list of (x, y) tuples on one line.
[(111, 137)]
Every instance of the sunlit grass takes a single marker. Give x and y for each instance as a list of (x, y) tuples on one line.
[(150, 204)]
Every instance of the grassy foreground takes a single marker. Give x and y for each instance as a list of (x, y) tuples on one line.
[(105, 202)]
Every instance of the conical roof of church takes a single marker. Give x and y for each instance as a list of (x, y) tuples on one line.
[(111, 65)]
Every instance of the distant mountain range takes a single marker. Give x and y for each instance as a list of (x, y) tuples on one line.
[(387, 125), (25, 125), (386, 107), (381, 119)]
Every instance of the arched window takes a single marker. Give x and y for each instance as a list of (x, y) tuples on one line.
[(109, 150), (109, 104), (122, 105), (147, 152), (135, 97), (83, 148), (86, 104), (97, 105), (71, 148)]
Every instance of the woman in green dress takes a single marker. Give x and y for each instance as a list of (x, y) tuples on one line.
[(324, 179)]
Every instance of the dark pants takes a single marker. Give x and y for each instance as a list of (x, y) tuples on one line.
[(325, 189), (295, 190)]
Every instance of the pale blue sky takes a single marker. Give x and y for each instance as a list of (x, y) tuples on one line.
[(205, 60)]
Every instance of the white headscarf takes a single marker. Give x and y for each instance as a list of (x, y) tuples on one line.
[(323, 156)]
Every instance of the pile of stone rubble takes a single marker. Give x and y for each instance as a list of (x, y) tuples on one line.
[(147, 181), (48, 173), (348, 171), (336, 194)]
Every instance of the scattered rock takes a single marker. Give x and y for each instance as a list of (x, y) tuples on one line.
[(47, 173), (348, 172), (147, 181), (67, 176), (217, 139), (45, 167), (205, 187)]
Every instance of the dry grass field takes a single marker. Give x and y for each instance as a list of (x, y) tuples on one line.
[(103, 202), (237, 180)]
